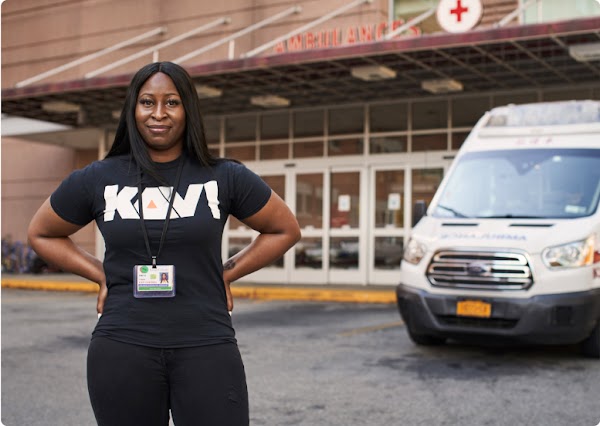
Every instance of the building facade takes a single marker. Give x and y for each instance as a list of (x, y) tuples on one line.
[(351, 111)]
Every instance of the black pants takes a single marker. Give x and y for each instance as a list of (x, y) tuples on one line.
[(132, 385)]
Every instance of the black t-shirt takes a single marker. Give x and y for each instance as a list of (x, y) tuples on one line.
[(107, 191)]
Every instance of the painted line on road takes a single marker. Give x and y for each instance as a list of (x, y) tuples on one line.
[(369, 329)]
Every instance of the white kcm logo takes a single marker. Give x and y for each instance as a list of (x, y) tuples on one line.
[(457, 16)]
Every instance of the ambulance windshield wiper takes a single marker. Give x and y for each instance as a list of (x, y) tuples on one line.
[(451, 210), (512, 216)]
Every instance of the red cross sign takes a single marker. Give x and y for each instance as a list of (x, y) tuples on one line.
[(456, 16)]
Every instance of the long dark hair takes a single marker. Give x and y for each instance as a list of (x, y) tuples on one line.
[(129, 141)]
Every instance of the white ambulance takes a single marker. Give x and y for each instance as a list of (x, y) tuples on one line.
[(510, 246)]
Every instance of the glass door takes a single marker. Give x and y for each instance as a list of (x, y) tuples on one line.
[(387, 223), (395, 193), (310, 201), (424, 182), (347, 216)]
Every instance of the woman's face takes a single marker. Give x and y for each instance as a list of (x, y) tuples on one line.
[(160, 118)]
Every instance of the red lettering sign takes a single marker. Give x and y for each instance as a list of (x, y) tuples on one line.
[(380, 31), (280, 47), (351, 37), (336, 37), (310, 41), (366, 33), (295, 43)]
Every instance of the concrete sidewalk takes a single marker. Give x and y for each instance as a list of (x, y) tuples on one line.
[(322, 293)]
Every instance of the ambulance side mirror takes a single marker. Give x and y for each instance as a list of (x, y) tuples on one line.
[(419, 210)]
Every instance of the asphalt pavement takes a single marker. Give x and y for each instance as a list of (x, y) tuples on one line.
[(309, 364)]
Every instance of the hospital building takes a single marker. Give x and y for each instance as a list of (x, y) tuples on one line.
[(351, 110)]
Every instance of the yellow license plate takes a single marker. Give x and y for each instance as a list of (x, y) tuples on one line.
[(473, 308)]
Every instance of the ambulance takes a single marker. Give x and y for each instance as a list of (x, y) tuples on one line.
[(509, 248)]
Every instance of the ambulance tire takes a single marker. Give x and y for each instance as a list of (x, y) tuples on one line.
[(590, 347)]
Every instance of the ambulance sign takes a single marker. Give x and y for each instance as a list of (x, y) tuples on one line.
[(457, 16)]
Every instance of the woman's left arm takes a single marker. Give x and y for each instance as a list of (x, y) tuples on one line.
[(279, 231)]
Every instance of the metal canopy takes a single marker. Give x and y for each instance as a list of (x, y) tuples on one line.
[(527, 56)]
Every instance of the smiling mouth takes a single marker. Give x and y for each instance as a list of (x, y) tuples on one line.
[(158, 129)]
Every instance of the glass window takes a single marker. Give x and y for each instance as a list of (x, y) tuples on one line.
[(212, 129), (237, 244), (309, 253), (437, 142), (241, 153), (388, 144), (567, 95), (404, 10), (429, 115), (458, 139), (345, 196), (276, 183), (413, 6), (309, 123), (274, 126), (214, 151), (515, 98), (234, 223), (308, 149), (388, 252), (346, 120), (388, 118), (309, 200), (352, 146), (557, 10), (466, 111), (389, 199), (343, 253), (274, 151), (240, 128), (424, 184)]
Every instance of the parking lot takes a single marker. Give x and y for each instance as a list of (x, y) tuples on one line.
[(310, 364)]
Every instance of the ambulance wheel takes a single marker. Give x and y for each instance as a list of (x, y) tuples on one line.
[(590, 347)]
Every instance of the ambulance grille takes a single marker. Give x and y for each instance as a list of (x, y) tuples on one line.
[(480, 270)]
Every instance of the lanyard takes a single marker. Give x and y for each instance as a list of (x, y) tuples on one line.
[(166, 225)]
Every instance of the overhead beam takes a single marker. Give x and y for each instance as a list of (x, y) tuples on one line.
[(90, 57), (157, 47), (285, 13)]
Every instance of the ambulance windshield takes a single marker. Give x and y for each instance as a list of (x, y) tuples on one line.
[(539, 183)]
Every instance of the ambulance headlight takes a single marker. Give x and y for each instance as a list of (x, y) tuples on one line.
[(571, 255), (414, 251)]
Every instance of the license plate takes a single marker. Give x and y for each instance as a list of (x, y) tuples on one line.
[(473, 308)]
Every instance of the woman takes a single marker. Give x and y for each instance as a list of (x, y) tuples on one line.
[(173, 347)]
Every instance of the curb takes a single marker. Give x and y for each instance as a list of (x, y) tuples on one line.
[(316, 294)]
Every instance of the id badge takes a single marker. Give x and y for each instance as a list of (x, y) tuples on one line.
[(149, 281)]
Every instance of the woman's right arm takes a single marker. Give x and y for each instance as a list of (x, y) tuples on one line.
[(49, 236)]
